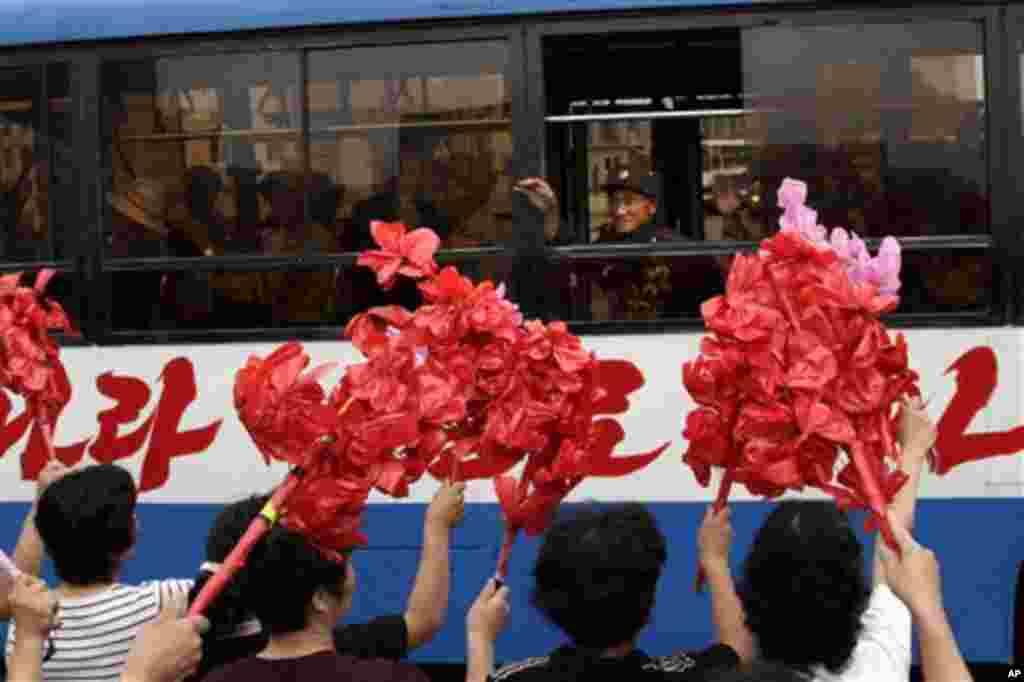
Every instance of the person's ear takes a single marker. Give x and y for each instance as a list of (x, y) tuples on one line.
[(321, 601)]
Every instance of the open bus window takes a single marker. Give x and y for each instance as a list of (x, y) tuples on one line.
[(34, 148), (637, 288), (206, 157), (416, 133), (884, 122)]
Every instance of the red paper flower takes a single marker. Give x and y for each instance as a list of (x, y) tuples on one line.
[(797, 368), (477, 389), (461, 387), (30, 362), (328, 511), (409, 254), (283, 409)]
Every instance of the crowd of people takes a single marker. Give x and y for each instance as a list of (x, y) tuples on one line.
[(804, 607)]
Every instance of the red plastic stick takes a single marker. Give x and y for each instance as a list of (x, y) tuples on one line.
[(506, 549), (874, 497), (234, 562), (44, 428)]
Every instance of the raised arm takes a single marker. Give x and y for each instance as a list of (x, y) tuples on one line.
[(914, 578), (713, 542), (916, 437), (29, 552), (544, 199), (484, 622), (424, 615)]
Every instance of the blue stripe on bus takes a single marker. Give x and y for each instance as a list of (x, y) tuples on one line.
[(64, 20), (979, 543)]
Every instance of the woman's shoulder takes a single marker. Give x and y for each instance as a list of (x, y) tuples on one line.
[(379, 669)]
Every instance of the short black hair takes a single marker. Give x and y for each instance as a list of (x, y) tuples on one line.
[(285, 571), (804, 586), (230, 525), (87, 521), (597, 562), (231, 607)]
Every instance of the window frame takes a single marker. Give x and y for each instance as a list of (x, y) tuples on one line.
[(1000, 23), (1012, 122)]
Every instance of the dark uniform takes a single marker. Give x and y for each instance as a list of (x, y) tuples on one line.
[(649, 288)]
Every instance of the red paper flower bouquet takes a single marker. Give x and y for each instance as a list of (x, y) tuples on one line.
[(462, 387), (475, 390), (797, 369), (30, 363)]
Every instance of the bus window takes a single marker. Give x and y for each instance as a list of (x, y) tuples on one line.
[(884, 122), (191, 127), (416, 133), (419, 134), (34, 166)]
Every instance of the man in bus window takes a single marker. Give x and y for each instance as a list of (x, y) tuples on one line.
[(642, 288)]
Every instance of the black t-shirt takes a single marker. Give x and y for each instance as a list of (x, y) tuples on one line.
[(325, 666), (385, 637), (568, 663)]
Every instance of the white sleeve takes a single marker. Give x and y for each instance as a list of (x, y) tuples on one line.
[(884, 649), (173, 592)]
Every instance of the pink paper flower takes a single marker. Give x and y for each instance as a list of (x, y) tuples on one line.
[(883, 270)]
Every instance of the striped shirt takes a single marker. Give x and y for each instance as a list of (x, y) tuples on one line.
[(97, 631)]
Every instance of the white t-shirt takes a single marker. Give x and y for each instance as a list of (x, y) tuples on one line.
[(97, 631), (883, 652)]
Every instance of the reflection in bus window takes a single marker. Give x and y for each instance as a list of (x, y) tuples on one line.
[(34, 153), (208, 130), (419, 134), (416, 133), (310, 296)]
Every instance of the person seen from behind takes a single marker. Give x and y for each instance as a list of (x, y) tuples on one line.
[(100, 615), (805, 598), (237, 632), (595, 578), (165, 650), (300, 595)]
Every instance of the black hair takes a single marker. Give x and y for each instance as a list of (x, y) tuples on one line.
[(87, 521), (597, 573), (231, 607), (285, 571), (804, 586)]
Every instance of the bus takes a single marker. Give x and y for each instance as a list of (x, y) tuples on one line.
[(202, 174)]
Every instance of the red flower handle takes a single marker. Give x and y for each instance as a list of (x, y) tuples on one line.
[(506, 549), (235, 561)]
